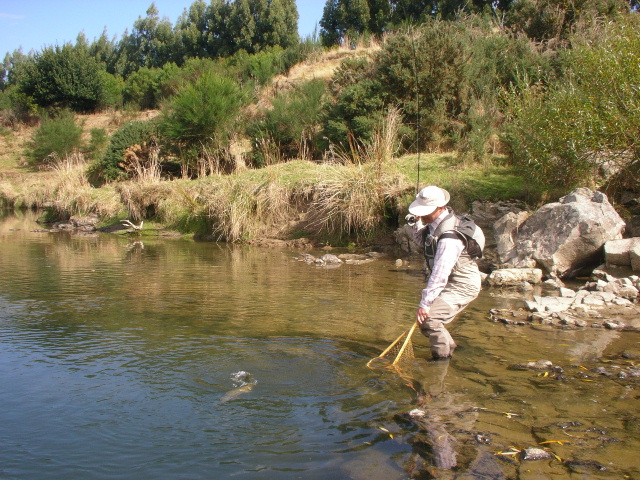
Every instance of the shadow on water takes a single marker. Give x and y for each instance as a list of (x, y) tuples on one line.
[(128, 357)]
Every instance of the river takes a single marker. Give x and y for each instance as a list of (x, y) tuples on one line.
[(150, 357)]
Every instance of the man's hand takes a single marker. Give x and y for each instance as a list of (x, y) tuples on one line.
[(422, 315)]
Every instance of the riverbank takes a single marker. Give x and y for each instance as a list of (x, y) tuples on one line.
[(331, 203)]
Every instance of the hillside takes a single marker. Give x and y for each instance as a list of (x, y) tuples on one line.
[(320, 66)]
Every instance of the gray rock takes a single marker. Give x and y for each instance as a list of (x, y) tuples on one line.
[(330, 259), (564, 236), (503, 232), (634, 257), (514, 276), (617, 252)]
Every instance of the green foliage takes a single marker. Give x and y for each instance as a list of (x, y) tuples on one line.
[(357, 102), (16, 108), (291, 139), (108, 168), (444, 78), (342, 18), (261, 67), (202, 114), (56, 136), (97, 143), (150, 44), (140, 88), (585, 123), (112, 87), (63, 77)]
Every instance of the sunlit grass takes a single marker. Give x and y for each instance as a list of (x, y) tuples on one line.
[(284, 200)]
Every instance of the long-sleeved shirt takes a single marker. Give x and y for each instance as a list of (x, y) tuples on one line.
[(447, 253)]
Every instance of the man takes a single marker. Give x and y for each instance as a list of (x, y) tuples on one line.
[(454, 279)]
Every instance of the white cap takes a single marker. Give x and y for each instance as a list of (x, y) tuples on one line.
[(428, 200)]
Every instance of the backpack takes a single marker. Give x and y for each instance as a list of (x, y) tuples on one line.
[(465, 229), (472, 235)]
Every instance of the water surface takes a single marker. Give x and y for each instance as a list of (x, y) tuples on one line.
[(118, 355)]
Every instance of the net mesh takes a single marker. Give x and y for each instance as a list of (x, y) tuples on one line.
[(400, 351)]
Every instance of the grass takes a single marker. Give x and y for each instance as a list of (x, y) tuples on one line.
[(286, 200), (469, 182), (353, 199)]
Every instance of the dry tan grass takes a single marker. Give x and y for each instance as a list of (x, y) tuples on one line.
[(320, 66)]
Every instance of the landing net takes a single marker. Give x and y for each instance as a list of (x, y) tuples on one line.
[(400, 350)]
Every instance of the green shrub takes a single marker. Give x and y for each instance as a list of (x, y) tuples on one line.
[(443, 76), (202, 115), (57, 136), (140, 88), (291, 126), (111, 94), (97, 143), (63, 77), (108, 168), (584, 124), (356, 103)]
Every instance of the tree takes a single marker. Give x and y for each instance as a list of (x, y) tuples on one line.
[(191, 28), (11, 67), (411, 11), (150, 44), (243, 26), (104, 51), (63, 77), (355, 16), (281, 24), (219, 33), (379, 16), (331, 24)]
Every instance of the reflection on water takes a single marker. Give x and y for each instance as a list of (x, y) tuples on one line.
[(118, 358)]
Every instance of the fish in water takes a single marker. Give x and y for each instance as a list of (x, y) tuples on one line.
[(243, 382)]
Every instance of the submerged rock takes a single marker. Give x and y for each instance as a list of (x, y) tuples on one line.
[(535, 454)]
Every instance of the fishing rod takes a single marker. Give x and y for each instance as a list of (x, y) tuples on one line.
[(417, 92)]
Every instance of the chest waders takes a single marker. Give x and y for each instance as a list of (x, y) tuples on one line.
[(463, 284)]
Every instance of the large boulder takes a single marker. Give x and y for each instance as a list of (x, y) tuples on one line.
[(563, 237), (503, 231)]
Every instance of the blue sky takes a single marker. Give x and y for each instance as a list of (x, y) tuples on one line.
[(35, 24)]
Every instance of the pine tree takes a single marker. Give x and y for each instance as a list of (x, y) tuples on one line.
[(331, 23), (243, 26), (282, 22)]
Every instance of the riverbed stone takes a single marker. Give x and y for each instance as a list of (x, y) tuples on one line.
[(330, 259), (506, 277), (566, 292), (634, 257), (617, 252)]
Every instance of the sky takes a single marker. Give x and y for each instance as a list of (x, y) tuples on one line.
[(35, 24)]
